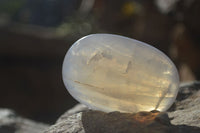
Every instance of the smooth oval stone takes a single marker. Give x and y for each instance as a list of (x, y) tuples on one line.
[(114, 73)]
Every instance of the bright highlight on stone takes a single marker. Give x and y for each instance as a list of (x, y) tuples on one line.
[(115, 73)]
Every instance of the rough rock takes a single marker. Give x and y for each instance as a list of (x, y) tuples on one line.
[(116, 122), (76, 109), (11, 123), (182, 117), (69, 122), (142, 122), (186, 109)]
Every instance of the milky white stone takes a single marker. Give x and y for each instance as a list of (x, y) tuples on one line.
[(115, 73)]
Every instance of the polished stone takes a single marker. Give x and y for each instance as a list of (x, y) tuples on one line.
[(115, 73)]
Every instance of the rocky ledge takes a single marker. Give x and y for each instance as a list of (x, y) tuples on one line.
[(182, 117), (10, 122)]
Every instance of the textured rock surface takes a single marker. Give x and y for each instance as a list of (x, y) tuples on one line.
[(114, 73), (142, 122), (11, 123), (76, 109), (184, 111), (69, 122)]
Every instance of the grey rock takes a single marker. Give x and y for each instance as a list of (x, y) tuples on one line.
[(186, 109), (11, 123), (76, 109), (71, 124)]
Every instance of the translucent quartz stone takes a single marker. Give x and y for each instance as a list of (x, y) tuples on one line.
[(114, 73)]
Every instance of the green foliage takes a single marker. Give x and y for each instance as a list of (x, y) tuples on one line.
[(78, 26), (11, 6)]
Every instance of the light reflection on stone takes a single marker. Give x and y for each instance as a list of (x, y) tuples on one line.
[(114, 73)]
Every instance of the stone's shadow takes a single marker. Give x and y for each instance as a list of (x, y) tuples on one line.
[(141, 122)]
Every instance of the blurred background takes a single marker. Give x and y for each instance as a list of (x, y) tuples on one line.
[(36, 34)]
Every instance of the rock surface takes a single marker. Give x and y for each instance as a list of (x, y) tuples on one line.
[(11, 123), (186, 109), (70, 121), (142, 122), (184, 117)]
